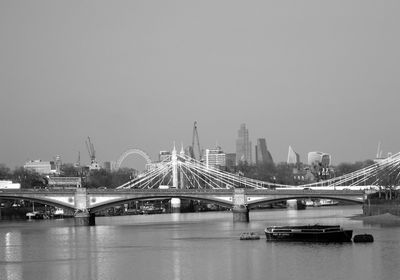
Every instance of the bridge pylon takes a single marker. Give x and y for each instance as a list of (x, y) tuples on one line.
[(174, 160)]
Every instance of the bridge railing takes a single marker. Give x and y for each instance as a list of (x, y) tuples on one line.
[(38, 190), (288, 191), (160, 190)]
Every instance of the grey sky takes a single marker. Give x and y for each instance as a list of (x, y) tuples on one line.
[(317, 75)]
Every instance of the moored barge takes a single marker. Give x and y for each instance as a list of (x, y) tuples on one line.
[(308, 233)]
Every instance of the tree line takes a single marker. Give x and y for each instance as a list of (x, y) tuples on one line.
[(93, 179), (280, 173)]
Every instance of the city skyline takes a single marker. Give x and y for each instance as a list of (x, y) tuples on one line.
[(314, 76), (156, 158)]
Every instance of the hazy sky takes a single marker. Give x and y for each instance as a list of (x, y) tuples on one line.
[(316, 75)]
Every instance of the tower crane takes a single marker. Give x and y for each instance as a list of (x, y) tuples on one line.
[(91, 150), (92, 154)]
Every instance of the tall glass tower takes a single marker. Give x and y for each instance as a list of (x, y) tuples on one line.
[(263, 156), (243, 145)]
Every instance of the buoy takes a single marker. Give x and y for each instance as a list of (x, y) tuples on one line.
[(359, 238)]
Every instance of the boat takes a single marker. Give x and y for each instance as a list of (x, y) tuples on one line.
[(31, 215), (328, 202), (36, 215), (321, 202), (309, 202), (58, 213), (308, 233), (361, 238), (249, 236), (151, 209)]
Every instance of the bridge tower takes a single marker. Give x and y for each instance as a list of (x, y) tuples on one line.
[(182, 179), (174, 160), (175, 202)]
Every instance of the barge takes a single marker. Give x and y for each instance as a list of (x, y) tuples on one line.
[(308, 233)]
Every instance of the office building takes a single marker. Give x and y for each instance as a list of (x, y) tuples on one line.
[(320, 165), (215, 158), (293, 157), (263, 156), (41, 167), (319, 159)]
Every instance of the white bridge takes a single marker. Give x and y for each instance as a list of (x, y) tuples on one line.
[(190, 179)]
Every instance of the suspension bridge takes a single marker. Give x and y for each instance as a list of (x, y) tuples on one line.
[(187, 178)]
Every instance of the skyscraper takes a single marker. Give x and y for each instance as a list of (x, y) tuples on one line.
[(293, 157), (243, 145), (263, 156)]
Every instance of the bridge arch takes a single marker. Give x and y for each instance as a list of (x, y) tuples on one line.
[(44, 200), (109, 204), (283, 198), (128, 152)]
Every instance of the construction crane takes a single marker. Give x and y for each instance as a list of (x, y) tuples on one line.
[(92, 154), (195, 137), (91, 151)]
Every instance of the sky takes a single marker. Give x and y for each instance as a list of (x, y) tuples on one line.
[(316, 75)]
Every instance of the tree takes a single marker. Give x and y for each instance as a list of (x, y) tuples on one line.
[(389, 179), (98, 178), (28, 178), (284, 174), (121, 176), (5, 172), (68, 170), (246, 169), (265, 172), (346, 168)]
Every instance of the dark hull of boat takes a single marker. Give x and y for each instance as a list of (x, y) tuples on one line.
[(333, 236)]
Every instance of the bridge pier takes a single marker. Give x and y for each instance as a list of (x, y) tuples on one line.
[(82, 216), (240, 210), (85, 219), (241, 213)]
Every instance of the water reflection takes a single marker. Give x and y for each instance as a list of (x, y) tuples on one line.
[(193, 246), (11, 254), (176, 256)]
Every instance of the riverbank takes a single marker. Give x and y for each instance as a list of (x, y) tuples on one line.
[(14, 213), (383, 219)]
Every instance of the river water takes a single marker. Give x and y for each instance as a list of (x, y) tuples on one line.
[(194, 246)]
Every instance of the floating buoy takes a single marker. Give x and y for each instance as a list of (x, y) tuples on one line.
[(359, 238)]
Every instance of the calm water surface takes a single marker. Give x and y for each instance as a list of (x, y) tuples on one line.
[(194, 246)]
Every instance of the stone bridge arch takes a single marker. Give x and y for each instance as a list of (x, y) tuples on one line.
[(66, 203), (255, 202), (118, 201)]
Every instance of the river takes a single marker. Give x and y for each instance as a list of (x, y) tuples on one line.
[(194, 246)]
